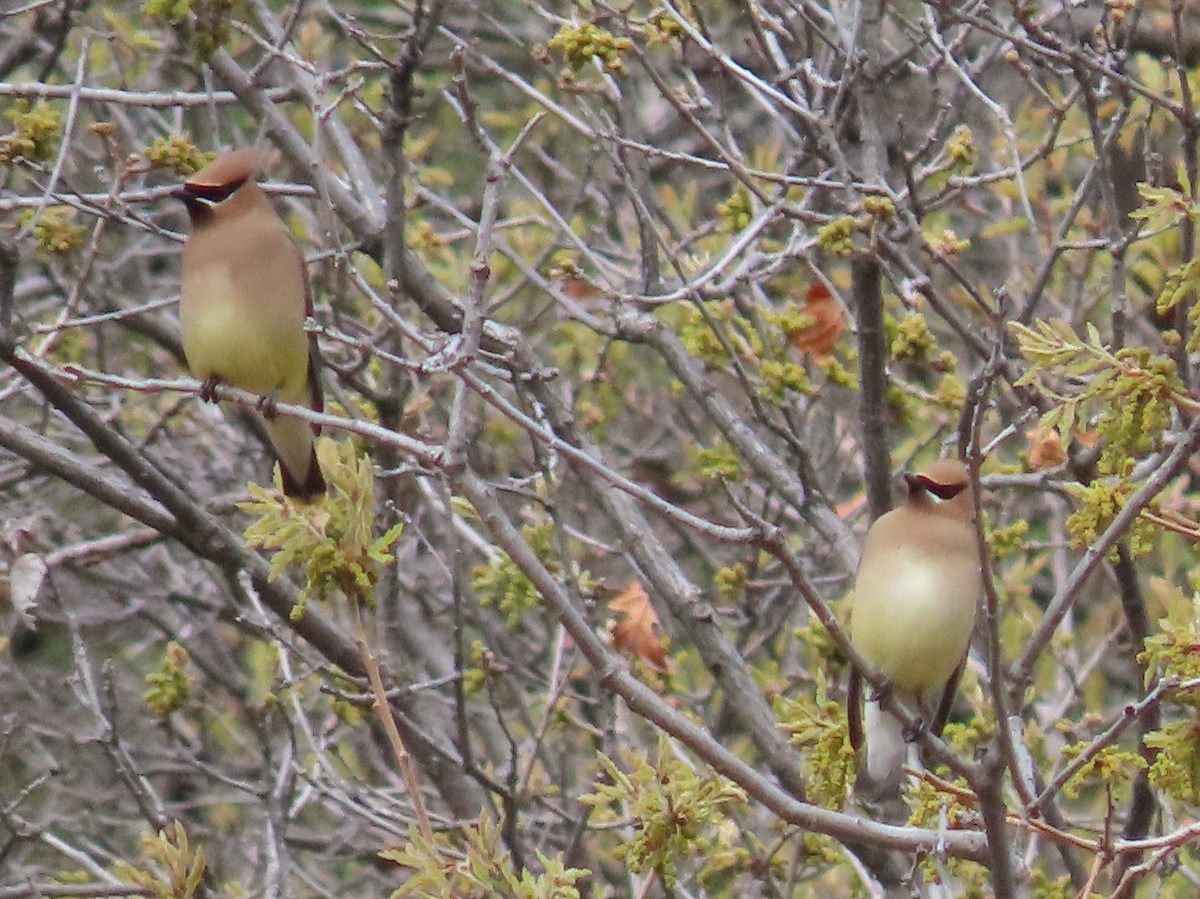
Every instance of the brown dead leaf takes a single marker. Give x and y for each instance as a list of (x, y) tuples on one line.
[(1044, 447), (635, 632), (579, 289), (818, 336)]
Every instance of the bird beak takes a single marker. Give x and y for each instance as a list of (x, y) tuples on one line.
[(196, 202)]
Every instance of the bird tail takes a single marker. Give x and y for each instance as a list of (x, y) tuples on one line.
[(885, 752), (293, 442)]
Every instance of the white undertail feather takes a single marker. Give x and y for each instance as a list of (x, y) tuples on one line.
[(886, 749)]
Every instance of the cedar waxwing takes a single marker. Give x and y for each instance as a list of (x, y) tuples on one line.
[(918, 585), (245, 295)]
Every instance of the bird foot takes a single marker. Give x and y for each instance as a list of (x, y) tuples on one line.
[(878, 694), (208, 389), (266, 405), (912, 732)]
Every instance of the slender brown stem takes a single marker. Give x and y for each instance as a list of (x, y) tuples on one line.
[(384, 713)]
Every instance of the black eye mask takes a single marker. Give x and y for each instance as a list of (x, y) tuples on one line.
[(207, 194), (941, 491)]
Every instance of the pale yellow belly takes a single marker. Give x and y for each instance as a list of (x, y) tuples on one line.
[(910, 626), (255, 346)]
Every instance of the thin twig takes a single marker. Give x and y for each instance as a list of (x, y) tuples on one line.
[(383, 711)]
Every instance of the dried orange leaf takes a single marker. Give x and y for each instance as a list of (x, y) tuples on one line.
[(579, 289), (823, 325), (635, 632), (1044, 447)]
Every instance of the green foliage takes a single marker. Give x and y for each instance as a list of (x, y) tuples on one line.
[(930, 804), (1099, 503), (1174, 651), (502, 585), (170, 10), (482, 868), (660, 28), (168, 868), (946, 242), (34, 137), (476, 667), (701, 341), (1132, 392), (1043, 886), (1111, 767), (837, 373), (1165, 206), (879, 208), (126, 35), (1006, 541), (203, 25), (169, 687), (966, 880), (720, 460), (1182, 282), (330, 539), (580, 44), (962, 150), (1176, 766), (789, 317), (714, 331), (730, 580), (819, 727), (672, 805), (818, 646), (213, 26), (55, 231), (260, 661), (967, 736), (734, 214), (780, 377), (837, 236), (1140, 398), (911, 338), (178, 153)]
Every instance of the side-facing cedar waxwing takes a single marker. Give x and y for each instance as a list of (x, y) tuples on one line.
[(919, 583), (245, 295)]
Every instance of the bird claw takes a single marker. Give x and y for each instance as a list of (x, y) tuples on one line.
[(912, 732), (208, 389), (266, 405), (878, 694)]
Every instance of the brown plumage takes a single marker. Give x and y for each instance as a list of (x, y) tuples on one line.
[(918, 585), (245, 295)]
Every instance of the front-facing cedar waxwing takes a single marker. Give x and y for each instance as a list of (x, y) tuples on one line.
[(918, 585), (245, 295)]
